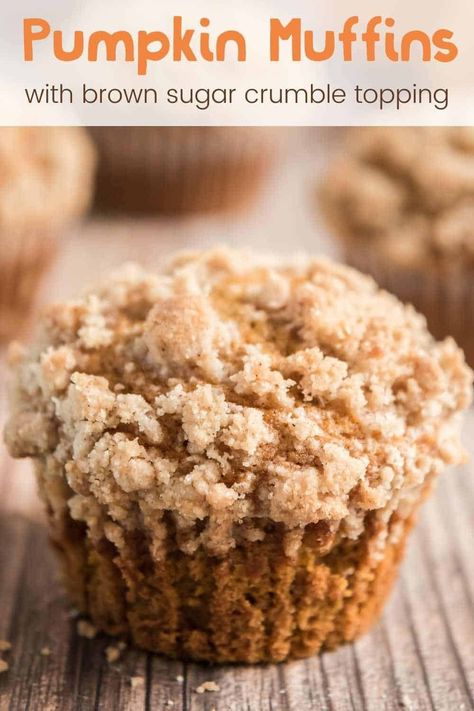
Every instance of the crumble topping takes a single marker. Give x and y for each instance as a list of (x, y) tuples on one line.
[(46, 175), (231, 393), (407, 191)]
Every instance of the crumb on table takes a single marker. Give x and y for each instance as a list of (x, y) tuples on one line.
[(114, 651), (207, 686), (86, 629)]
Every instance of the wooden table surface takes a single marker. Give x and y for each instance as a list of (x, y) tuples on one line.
[(420, 656)]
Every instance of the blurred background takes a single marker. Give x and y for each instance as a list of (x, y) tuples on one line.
[(90, 201), (271, 207)]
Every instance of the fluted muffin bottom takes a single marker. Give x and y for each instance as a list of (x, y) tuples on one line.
[(256, 604)]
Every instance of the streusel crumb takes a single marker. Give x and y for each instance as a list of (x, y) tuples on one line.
[(207, 686), (234, 391), (113, 652), (86, 629)]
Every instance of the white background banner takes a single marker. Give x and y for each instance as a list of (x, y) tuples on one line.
[(255, 62)]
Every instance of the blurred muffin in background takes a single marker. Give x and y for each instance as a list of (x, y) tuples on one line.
[(179, 170), (402, 202), (46, 180)]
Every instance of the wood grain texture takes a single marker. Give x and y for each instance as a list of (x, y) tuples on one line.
[(419, 657)]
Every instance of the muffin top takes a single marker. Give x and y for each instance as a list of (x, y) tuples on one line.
[(234, 393), (46, 176), (408, 192)]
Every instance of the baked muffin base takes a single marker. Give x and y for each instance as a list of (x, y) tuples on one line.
[(254, 605), (446, 298)]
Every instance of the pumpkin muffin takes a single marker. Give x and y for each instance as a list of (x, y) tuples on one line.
[(45, 183), (182, 170), (402, 202), (232, 453)]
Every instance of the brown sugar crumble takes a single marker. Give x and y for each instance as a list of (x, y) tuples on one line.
[(408, 192), (250, 391)]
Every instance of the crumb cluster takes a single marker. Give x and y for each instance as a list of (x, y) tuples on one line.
[(46, 176), (207, 686), (86, 629), (231, 393), (113, 652), (407, 191)]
